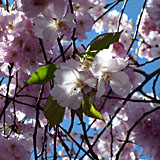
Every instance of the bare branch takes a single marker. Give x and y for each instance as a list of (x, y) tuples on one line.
[(137, 26), (131, 129)]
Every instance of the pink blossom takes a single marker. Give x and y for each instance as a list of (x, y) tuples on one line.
[(38, 5), (84, 24), (56, 24), (14, 148), (117, 49)]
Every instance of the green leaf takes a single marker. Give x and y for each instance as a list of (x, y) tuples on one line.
[(53, 112), (102, 41), (43, 74), (89, 108)]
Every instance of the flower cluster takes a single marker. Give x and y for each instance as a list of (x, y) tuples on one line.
[(104, 71), (150, 31)]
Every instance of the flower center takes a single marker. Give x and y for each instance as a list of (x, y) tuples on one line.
[(10, 26), (79, 84), (59, 24), (106, 76)]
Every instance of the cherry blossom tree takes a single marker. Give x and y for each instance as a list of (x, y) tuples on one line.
[(63, 98)]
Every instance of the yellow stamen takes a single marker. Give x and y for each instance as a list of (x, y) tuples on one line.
[(106, 77)]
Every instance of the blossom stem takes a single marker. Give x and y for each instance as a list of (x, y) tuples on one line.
[(61, 49)]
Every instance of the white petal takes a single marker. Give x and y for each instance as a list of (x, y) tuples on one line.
[(39, 21), (40, 24), (105, 54), (100, 88), (122, 91), (38, 32), (70, 64), (69, 17), (67, 96), (91, 82), (87, 79), (51, 33), (83, 75), (120, 83), (121, 63), (116, 64), (102, 58), (69, 20), (77, 101), (61, 94), (64, 76), (60, 8)]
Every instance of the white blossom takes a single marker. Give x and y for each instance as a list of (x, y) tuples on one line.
[(70, 81), (108, 70)]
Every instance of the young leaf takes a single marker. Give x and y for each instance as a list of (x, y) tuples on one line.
[(89, 108), (102, 41), (43, 74), (53, 112)]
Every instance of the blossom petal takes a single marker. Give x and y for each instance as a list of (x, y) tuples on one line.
[(87, 79), (60, 8), (64, 76), (51, 33), (102, 57), (61, 94), (100, 88), (77, 100), (70, 64), (67, 96), (116, 64), (120, 83), (39, 21), (69, 20)]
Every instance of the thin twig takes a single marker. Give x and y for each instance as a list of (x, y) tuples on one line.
[(37, 122), (1, 81), (61, 49), (14, 107), (79, 146), (65, 51), (117, 2), (111, 145), (71, 6), (7, 5), (120, 17), (79, 149), (43, 50), (137, 26), (87, 141), (133, 100), (44, 141), (26, 104), (74, 43), (155, 59), (64, 145), (141, 72), (131, 129), (107, 5), (55, 142), (154, 85), (7, 102)]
